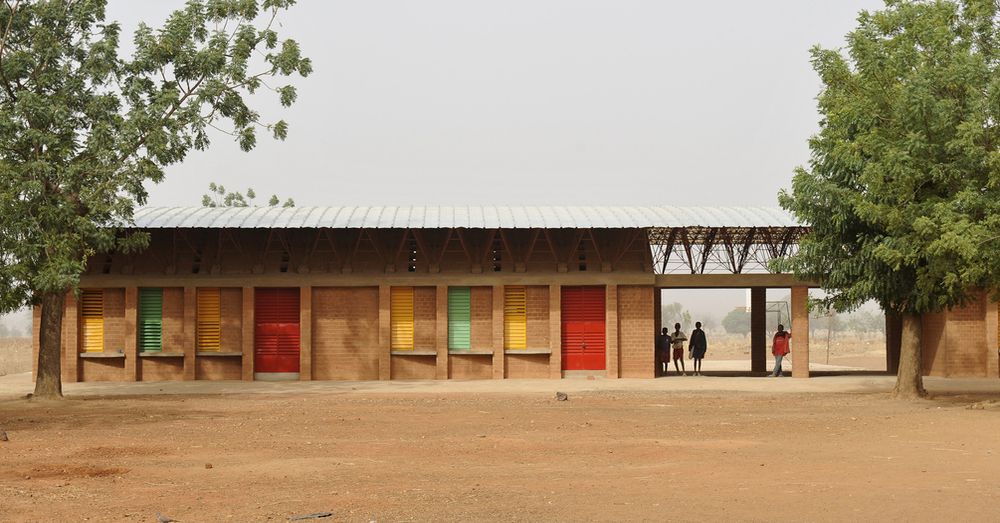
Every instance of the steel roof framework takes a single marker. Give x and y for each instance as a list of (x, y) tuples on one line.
[(713, 250)]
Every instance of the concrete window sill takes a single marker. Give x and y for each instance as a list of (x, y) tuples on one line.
[(528, 351), (98, 355), (414, 353), (219, 354), (157, 354), (471, 352)]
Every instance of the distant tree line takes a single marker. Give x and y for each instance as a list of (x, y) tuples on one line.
[(737, 321), (219, 197)]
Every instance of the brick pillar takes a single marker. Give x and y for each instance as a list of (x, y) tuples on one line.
[(555, 332), (499, 358), (657, 326), (70, 340), (800, 332), (893, 341), (441, 338), (611, 331), (384, 333), (248, 333), (131, 345), (758, 330), (305, 333), (190, 327), (992, 338)]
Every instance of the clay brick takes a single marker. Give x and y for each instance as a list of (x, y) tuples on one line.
[(482, 317), (413, 367), (161, 369), (424, 318), (345, 337), (173, 319), (636, 331), (933, 344), (527, 366), (231, 309), (470, 367), (218, 368), (114, 320), (102, 369), (537, 298)]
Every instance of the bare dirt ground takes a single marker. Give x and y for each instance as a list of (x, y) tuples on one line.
[(604, 455), (846, 349)]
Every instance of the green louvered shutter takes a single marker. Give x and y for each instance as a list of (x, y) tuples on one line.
[(459, 318), (150, 319)]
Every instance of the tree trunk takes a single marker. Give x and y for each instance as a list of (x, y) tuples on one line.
[(48, 382), (909, 379)]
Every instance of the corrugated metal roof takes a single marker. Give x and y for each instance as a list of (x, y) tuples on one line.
[(488, 217)]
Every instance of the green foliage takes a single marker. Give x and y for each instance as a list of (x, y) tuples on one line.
[(219, 197), (737, 322), (902, 188), (82, 128)]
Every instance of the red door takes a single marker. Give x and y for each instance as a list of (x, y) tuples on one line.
[(276, 330), (583, 340)]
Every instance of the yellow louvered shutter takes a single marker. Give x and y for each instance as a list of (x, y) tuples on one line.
[(92, 320), (515, 318), (209, 329), (401, 318)]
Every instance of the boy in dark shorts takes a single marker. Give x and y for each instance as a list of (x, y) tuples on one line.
[(663, 352)]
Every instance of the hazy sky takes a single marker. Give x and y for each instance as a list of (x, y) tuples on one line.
[(533, 102), (561, 102)]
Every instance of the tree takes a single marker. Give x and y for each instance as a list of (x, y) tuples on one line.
[(83, 128), (675, 313), (737, 322), (902, 188), (221, 198)]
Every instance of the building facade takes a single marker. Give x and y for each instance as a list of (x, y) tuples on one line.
[(418, 293)]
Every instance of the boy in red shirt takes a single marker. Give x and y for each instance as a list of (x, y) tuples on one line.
[(779, 348)]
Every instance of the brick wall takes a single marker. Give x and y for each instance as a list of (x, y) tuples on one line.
[(478, 367), (537, 298), (424, 318), (231, 309), (965, 333), (933, 343), (527, 366), (161, 369), (413, 367), (345, 333), (956, 343), (173, 319), (218, 368), (114, 320), (102, 369), (482, 317), (636, 331)]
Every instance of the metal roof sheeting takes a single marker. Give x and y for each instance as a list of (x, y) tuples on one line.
[(487, 217)]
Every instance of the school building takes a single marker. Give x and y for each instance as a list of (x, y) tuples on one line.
[(378, 293)]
